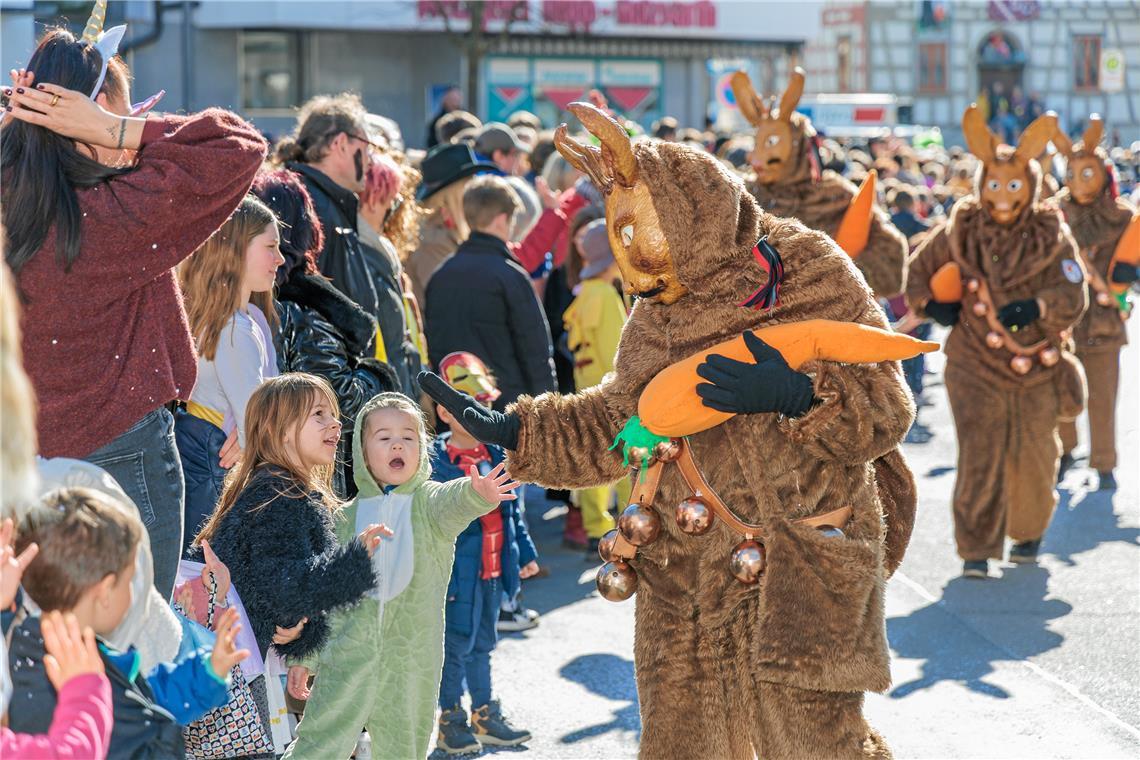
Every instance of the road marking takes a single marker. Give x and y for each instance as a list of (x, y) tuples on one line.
[(1072, 690)]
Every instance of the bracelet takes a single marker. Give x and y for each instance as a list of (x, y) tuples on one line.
[(122, 132)]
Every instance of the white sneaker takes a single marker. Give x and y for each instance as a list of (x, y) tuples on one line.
[(522, 619)]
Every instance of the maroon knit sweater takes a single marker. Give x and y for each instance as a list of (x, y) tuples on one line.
[(108, 341)]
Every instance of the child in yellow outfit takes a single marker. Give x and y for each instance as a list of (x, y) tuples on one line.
[(594, 321)]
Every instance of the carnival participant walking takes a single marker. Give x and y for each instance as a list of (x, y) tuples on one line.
[(1008, 375), (100, 205), (1098, 218)]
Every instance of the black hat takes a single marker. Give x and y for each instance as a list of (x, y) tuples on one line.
[(446, 164)]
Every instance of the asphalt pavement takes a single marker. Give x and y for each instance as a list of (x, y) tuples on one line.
[(1043, 662)]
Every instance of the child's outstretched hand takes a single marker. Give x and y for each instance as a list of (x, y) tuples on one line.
[(372, 535), (225, 654), (12, 567), (68, 653), (496, 487)]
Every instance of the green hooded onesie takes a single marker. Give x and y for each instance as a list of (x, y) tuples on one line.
[(381, 667)]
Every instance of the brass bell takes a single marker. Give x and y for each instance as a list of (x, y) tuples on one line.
[(639, 525), (668, 451), (979, 308), (606, 546), (694, 517), (1021, 364), (616, 581), (830, 531), (993, 339), (637, 455), (972, 285), (1104, 299), (748, 561), (1050, 356)]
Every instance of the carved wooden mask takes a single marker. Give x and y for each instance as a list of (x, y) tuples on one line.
[(772, 157), (1007, 185), (1086, 174)]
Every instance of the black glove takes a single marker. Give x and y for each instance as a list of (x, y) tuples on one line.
[(1124, 273), (1018, 314), (487, 425), (769, 385), (944, 313)]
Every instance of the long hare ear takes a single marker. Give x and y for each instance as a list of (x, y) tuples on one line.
[(791, 97), (585, 158), (1093, 133), (749, 103), (617, 151), (1063, 143), (1035, 137), (979, 139)]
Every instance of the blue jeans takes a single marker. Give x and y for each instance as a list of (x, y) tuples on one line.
[(144, 462), (199, 447), (915, 368), (468, 655)]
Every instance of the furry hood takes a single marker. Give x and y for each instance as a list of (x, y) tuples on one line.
[(313, 291)]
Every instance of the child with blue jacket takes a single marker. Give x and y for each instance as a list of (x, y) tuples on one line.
[(491, 556)]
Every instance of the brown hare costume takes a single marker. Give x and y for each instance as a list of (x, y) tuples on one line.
[(726, 670), (1097, 218), (787, 181), (1007, 375)]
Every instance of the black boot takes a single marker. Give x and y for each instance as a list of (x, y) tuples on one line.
[(976, 568), (455, 737), (1107, 481), (1024, 552), (1066, 463)]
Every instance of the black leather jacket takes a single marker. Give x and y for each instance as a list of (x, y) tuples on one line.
[(323, 332)]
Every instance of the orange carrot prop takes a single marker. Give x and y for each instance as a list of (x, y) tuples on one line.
[(670, 406), (856, 224), (946, 284), (1128, 251)]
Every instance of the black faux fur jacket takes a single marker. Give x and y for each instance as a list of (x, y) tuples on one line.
[(280, 547)]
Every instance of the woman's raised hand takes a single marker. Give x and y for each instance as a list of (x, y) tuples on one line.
[(497, 486), (72, 114)]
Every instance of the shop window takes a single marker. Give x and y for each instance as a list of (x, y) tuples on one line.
[(1086, 61), (843, 65), (271, 70), (932, 67)]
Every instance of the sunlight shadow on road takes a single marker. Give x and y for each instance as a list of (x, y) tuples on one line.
[(1083, 521), (609, 676), (960, 635)]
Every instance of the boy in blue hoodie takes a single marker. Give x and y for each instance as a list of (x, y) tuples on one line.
[(491, 555), (85, 563)]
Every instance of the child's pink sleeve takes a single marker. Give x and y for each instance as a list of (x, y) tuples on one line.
[(80, 727)]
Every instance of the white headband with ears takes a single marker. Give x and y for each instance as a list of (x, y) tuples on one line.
[(107, 43)]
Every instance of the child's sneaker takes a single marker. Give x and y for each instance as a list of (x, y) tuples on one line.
[(455, 737), (513, 621), (492, 728), (1024, 552)]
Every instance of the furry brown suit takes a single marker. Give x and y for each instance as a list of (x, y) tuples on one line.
[(817, 198), (1099, 336), (1007, 446), (778, 669)]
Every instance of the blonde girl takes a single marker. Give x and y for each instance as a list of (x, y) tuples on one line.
[(227, 285), (273, 527)]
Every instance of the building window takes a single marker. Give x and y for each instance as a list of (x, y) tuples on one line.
[(843, 67), (932, 67), (1086, 61), (271, 70)]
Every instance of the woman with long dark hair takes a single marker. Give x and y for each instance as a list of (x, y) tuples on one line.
[(100, 206)]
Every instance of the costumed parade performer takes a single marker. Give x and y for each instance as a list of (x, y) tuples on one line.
[(757, 636), (1099, 218), (788, 180), (1008, 373)]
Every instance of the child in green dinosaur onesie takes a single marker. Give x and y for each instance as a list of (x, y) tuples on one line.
[(380, 669)]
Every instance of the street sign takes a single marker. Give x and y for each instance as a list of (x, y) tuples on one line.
[(1111, 70)]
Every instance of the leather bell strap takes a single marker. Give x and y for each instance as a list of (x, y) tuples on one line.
[(1008, 343), (646, 488)]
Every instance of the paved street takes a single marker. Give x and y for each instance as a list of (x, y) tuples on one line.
[(1044, 662)]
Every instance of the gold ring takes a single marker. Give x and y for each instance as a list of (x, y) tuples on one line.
[(54, 99)]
